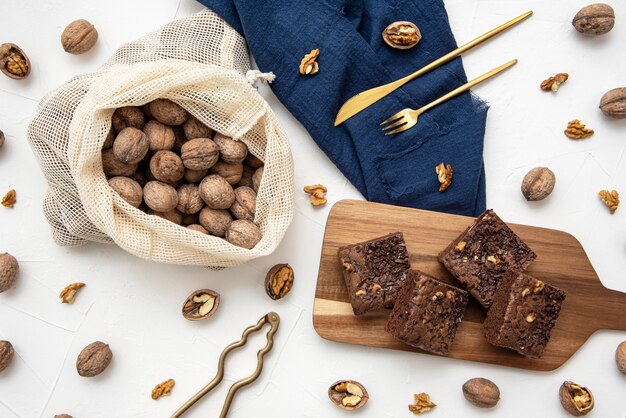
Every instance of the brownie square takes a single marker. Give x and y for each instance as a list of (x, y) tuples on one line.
[(374, 271), (523, 313), (481, 255), (427, 313)]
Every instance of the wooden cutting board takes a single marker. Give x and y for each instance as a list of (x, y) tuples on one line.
[(561, 261)]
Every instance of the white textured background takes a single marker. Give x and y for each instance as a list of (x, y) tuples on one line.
[(135, 305)]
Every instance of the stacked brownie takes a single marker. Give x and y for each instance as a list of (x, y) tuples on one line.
[(488, 259)]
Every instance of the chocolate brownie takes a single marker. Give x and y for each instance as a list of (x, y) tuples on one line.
[(479, 256), (374, 271), (427, 313), (523, 314)]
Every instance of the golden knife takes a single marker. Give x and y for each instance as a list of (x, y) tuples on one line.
[(368, 97)]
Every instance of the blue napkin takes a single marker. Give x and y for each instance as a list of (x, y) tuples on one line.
[(398, 169)]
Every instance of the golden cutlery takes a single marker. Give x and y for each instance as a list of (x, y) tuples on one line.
[(368, 97), (407, 118)]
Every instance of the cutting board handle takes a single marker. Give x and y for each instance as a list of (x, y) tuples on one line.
[(610, 310)]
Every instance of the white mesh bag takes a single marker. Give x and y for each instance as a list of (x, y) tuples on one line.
[(198, 62)]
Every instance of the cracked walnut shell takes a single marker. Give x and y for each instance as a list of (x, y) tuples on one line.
[(68, 294), (308, 64), (402, 35), (575, 399), (93, 359), (279, 281), (577, 130), (79, 37), (163, 389), (553, 83), (348, 394), (610, 199), (444, 175), (201, 304), (14, 62)]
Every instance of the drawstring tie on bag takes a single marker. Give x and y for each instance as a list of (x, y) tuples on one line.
[(252, 76)]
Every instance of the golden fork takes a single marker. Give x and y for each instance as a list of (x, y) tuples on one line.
[(366, 98), (407, 118)]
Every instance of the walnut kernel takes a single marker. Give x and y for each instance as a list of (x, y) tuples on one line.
[(553, 83), (318, 194), (9, 199), (79, 37), (93, 359), (159, 196), (215, 221), (9, 269), (444, 175), (610, 199), (68, 294), (308, 64), (199, 153), (538, 183), (575, 399), (243, 234), (348, 394), (577, 130), (162, 389), (422, 403), (201, 304), (128, 189)]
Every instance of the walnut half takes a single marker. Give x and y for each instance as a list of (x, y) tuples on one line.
[(348, 394), (201, 304)]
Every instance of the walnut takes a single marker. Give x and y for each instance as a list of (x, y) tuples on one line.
[(9, 200), (108, 141), (162, 389), (575, 399), (198, 228), (193, 129), (201, 304), (610, 199), (402, 35), (160, 137), (79, 37), (232, 173), (243, 233), (538, 183), (128, 189), (244, 206), (179, 137), (422, 403), (63, 416), (6, 354), (167, 167), (279, 281), (553, 83), (14, 62), (130, 146), (216, 192), (215, 221), (348, 394), (308, 64), (595, 19), (9, 269), (318, 194), (68, 294), (231, 151), (620, 357), (444, 175), (253, 161), (194, 176), (171, 215), (114, 167), (577, 130), (256, 179), (246, 177), (167, 112), (141, 177), (189, 200), (199, 153), (481, 392), (191, 218), (94, 359), (613, 103), (159, 196), (128, 117)]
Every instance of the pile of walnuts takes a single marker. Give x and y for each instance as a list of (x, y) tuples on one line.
[(164, 161)]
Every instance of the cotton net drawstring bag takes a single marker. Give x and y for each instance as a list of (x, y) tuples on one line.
[(200, 63)]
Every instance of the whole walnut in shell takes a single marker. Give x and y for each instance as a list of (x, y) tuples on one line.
[(193, 128), (194, 176), (94, 359), (191, 218), (198, 228), (595, 19), (246, 177), (189, 200), (199, 153), (1, 138), (159, 196), (253, 161), (167, 112), (173, 215), (6, 354), (481, 392), (79, 37), (130, 146), (244, 206), (128, 117), (179, 138), (256, 179), (613, 103), (167, 167), (231, 151), (231, 172), (215, 221), (108, 141), (538, 183), (63, 416), (9, 268), (243, 233), (160, 137), (216, 192), (620, 357), (113, 167), (128, 189)]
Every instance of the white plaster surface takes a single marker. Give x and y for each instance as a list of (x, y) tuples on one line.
[(135, 305)]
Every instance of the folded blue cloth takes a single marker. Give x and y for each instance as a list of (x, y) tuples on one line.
[(398, 169)]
